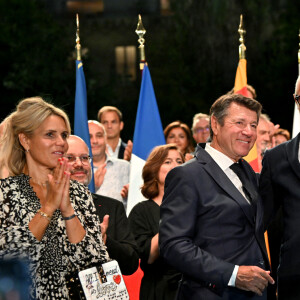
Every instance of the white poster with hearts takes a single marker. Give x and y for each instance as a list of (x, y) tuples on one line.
[(104, 284)]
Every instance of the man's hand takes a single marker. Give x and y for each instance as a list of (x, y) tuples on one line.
[(128, 151), (273, 129), (188, 156), (252, 278), (104, 226), (99, 175), (124, 191)]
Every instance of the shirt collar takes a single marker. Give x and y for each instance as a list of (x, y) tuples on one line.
[(220, 158), (119, 144), (116, 152), (109, 159)]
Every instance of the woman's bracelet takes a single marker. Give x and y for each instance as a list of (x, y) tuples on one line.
[(69, 218), (44, 215)]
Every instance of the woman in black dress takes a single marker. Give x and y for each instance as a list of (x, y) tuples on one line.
[(160, 281)]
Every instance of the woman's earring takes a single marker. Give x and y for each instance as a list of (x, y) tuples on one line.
[(27, 150)]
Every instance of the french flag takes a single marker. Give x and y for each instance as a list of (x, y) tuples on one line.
[(148, 133)]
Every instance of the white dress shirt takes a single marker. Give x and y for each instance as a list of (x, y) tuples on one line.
[(224, 162), (111, 152)]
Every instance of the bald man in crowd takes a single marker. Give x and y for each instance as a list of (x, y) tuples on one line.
[(111, 174), (116, 234)]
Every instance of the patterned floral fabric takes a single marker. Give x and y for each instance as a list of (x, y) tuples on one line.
[(54, 256)]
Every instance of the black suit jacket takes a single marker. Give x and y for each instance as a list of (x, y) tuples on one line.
[(120, 242), (280, 186), (122, 150), (207, 227)]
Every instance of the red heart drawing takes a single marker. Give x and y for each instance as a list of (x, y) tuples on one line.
[(117, 279)]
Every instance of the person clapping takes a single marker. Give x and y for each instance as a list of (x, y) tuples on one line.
[(45, 217)]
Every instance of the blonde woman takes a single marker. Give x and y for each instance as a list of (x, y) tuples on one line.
[(45, 217)]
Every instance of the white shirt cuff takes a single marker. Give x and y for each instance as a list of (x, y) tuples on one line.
[(233, 276)]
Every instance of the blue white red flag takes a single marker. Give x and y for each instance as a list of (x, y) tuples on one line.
[(148, 133)]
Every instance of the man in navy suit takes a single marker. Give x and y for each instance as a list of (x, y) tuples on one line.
[(211, 226), (280, 187)]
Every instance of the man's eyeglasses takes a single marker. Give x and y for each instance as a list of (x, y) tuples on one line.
[(297, 98), (201, 130), (85, 159)]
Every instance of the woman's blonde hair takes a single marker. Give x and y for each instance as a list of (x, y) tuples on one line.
[(28, 116)]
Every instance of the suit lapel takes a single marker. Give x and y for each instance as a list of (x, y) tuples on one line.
[(217, 174), (212, 168), (292, 149), (258, 209)]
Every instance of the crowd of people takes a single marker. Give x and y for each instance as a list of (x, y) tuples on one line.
[(199, 234)]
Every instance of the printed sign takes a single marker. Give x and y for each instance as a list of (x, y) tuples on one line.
[(106, 283)]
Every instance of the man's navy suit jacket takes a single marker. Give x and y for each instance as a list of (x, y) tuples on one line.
[(207, 227), (280, 185)]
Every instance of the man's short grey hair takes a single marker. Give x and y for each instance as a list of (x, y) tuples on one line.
[(99, 124), (265, 117), (198, 117)]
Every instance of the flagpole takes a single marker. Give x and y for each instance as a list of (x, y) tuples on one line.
[(242, 32), (78, 46), (240, 85), (140, 31)]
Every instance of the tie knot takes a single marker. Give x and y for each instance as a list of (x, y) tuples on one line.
[(239, 171), (236, 165)]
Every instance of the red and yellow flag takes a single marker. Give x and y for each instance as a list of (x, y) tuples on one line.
[(240, 87)]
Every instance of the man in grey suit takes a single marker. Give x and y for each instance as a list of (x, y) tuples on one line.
[(211, 226)]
